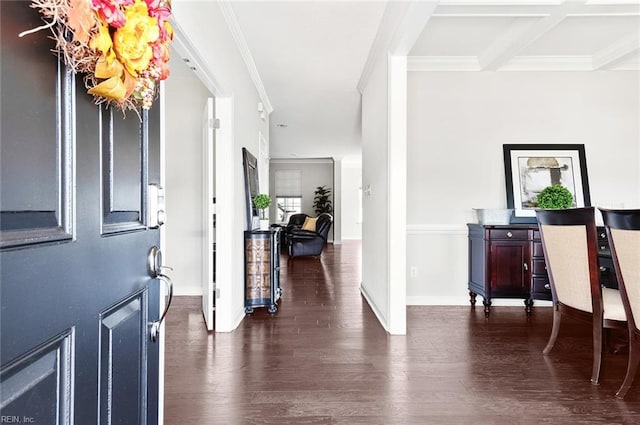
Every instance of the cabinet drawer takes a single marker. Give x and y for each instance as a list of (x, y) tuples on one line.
[(515, 234), (541, 284), (539, 267), (538, 251)]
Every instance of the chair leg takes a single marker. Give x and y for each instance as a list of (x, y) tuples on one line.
[(632, 368), (554, 330), (597, 350)]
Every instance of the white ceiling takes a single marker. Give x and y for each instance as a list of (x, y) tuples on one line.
[(311, 54)]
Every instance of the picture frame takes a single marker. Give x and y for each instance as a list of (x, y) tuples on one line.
[(529, 168)]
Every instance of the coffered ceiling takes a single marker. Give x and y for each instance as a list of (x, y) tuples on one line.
[(539, 36)]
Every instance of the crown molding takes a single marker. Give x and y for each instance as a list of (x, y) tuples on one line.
[(184, 47), (241, 42), (442, 63), (549, 63)]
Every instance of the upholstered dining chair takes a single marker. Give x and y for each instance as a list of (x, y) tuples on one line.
[(623, 231), (569, 241)]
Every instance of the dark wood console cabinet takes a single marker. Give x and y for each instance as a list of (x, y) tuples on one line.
[(508, 262), (262, 269)]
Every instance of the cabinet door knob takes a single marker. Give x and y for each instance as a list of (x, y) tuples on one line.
[(603, 269), (509, 234), (547, 286), (526, 266), (603, 235)]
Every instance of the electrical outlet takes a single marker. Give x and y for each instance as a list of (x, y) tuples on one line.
[(413, 271)]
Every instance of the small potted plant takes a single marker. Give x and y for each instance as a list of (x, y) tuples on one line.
[(555, 197), (262, 202)]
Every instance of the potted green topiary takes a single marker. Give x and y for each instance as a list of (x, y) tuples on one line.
[(555, 197), (262, 202), (322, 201)]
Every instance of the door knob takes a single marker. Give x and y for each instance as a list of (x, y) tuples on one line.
[(155, 270)]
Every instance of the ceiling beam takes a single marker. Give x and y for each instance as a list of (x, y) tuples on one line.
[(618, 51), (519, 36), (401, 24), (411, 26)]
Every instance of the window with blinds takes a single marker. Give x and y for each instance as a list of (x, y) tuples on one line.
[(288, 186)]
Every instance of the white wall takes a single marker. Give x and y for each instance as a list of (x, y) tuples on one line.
[(185, 100), (351, 201), (205, 26), (457, 124), (375, 237)]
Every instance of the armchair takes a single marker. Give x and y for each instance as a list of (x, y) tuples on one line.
[(295, 222), (301, 242)]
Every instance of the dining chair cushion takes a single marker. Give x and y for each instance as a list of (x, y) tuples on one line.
[(568, 245), (627, 248), (612, 305)]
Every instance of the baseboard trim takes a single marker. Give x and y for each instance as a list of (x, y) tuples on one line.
[(187, 291), (374, 308)]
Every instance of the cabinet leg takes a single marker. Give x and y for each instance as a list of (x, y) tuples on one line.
[(472, 298), (248, 310), (273, 308), (527, 306), (487, 307)]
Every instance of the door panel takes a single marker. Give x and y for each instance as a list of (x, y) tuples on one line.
[(38, 385), (77, 297), (122, 381), (35, 137), (123, 170)]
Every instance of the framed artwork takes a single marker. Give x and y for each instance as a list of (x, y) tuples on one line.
[(530, 168)]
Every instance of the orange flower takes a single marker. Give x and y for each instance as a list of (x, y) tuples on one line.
[(132, 42)]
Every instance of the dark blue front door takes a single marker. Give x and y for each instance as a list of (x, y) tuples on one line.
[(76, 294)]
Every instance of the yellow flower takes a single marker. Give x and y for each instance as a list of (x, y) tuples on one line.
[(102, 42), (132, 41)]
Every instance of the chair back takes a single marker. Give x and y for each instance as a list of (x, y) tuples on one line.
[(323, 224), (623, 231), (569, 240), (297, 219)]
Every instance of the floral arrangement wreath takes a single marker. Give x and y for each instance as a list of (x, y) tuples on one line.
[(121, 45)]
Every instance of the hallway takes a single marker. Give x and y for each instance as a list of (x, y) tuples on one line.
[(323, 358)]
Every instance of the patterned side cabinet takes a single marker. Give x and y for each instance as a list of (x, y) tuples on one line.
[(262, 269)]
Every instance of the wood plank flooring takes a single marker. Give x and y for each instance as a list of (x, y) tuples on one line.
[(324, 359)]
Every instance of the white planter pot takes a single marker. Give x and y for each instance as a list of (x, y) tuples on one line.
[(264, 224)]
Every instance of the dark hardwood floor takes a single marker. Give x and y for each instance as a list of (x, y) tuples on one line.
[(324, 359)]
